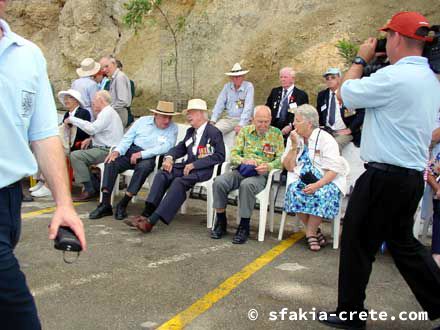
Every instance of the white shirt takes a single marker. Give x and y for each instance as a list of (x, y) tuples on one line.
[(199, 134), (325, 157), (339, 123), (106, 130)]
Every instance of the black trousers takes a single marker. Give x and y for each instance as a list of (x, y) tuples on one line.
[(141, 170), (381, 208), (17, 306)]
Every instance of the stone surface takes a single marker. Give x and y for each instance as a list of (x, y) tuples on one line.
[(217, 33)]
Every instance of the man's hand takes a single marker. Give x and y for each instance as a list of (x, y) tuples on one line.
[(167, 165), (311, 188), (85, 144), (286, 130), (66, 216), (188, 168), (262, 169), (134, 157), (67, 121), (249, 162), (368, 49), (345, 131), (237, 129), (111, 157)]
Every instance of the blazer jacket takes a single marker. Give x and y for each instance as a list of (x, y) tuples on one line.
[(273, 101), (203, 163), (80, 134), (352, 119)]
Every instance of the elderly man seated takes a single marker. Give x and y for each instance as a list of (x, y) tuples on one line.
[(204, 148), (148, 137), (257, 151), (105, 131)]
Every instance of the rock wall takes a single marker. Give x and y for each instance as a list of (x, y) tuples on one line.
[(264, 35)]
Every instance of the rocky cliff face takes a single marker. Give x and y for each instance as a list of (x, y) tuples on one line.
[(264, 35)]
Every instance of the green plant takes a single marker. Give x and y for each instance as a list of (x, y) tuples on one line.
[(347, 50)]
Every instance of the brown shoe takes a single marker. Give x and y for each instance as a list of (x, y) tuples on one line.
[(143, 225), (85, 196), (132, 221)]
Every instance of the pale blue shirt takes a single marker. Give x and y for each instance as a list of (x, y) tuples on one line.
[(145, 134), (239, 103), (87, 88), (27, 107), (402, 103)]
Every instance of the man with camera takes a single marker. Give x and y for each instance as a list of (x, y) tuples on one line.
[(27, 113), (401, 103)]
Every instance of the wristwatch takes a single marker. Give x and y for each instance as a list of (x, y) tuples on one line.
[(359, 60)]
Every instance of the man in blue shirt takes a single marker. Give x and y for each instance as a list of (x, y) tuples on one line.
[(27, 114), (237, 98), (402, 102), (148, 137)]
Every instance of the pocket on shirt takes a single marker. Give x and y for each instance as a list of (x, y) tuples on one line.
[(26, 108)]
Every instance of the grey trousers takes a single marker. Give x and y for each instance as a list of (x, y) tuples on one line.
[(248, 187), (82, 159), (123, 113)]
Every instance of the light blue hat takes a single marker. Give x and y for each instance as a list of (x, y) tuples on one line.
[(334, 71)]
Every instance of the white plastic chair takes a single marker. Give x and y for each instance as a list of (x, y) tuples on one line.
[(336, 223)]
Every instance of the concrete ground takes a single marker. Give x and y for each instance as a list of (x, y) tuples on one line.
[(128, 280)]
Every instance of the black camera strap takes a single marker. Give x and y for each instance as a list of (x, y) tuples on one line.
[(70, 261), (314, 149)]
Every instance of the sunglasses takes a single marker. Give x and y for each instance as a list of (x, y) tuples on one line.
[(330, 77)]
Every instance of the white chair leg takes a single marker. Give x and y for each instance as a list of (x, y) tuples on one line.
[(184, 205), (336, 230), (426, 224), (283, 220), (100, 188), (262, 223), (418, 224), (271, 210), (210, 210)]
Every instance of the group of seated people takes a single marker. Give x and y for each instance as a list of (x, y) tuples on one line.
[(316, 171)]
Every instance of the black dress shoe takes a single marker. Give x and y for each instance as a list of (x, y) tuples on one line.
[(332, 320), (120, 212), (241, 235), (219, 229), (101, 211)]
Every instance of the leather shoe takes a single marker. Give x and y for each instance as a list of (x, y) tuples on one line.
[(332, 320), (101, 211), (85, 196), (120, 212), (241, 235), (219, 229), (143, 225)]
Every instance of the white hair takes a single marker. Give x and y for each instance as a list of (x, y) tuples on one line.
[(309, 114), (258, 107), (104, 95), (289, 70)]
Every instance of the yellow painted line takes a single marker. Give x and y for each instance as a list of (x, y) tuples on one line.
[(32, 214), (185, 317)]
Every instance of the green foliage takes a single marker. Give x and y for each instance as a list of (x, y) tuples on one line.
[(137, 10), (347, 50)]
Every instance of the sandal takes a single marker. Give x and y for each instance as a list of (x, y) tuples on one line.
[(321, 238), (313, 243)]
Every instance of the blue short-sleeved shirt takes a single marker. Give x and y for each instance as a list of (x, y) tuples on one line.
[(402, 103), (27, 107)]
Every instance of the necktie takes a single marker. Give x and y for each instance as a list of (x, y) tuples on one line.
[(284, 106), (332, 110), (194, 146)]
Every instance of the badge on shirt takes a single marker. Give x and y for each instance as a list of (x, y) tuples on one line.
[(240, 103), (27, 103), (323, 107), (189, 142), (292, 107), (268, 150), (349, 112)]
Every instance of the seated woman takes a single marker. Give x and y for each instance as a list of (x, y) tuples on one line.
[(316, 174)]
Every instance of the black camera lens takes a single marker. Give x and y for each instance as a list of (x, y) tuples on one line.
[(381, 45)]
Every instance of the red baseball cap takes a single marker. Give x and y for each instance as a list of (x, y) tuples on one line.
[(407, 23)]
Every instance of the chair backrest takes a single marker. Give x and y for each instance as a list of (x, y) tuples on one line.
[(347, 166), (182, 128)]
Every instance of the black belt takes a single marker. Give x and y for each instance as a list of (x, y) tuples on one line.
[(392, 168)]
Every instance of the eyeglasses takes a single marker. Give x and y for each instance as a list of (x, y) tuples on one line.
[(330, 77)]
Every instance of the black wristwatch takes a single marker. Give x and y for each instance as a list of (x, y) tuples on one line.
[(359, 60)]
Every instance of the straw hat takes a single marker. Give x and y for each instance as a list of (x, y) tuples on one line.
[(88, 68), (73, 93), (196, 104), (236, 70), (165, 108)]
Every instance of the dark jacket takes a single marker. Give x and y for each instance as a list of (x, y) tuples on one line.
[(203, 165), (273, 101), (353, 120), (80, 134)]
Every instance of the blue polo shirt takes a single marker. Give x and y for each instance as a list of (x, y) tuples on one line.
[(402, 102), (27, 107)]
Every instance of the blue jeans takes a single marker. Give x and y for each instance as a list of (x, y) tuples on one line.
[(17, 306)]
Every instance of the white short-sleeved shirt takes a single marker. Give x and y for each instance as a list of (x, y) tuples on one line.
[(27, 107)]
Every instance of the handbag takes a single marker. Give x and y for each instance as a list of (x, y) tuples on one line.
[(309, 177), (247, 170)]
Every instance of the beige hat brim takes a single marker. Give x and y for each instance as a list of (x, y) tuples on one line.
[(164, 113), (238, 73), (186, 110), (80, 72)]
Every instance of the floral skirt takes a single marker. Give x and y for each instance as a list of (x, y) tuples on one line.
[(323, 203)]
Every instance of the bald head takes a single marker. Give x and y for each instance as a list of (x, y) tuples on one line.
[(262, 118)]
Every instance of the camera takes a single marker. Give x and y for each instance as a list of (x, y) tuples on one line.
[(431, 51), (66, 240)]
